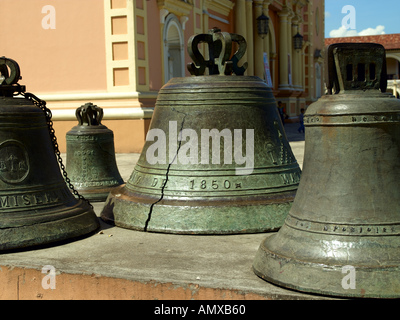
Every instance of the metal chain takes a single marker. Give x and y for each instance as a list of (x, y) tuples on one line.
[(42, 105)]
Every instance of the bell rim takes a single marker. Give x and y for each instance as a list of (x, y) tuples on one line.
[(273, 266), (188, 217), (81, 223)]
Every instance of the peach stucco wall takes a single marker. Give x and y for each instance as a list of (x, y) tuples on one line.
[(154, 45), (70, 57)]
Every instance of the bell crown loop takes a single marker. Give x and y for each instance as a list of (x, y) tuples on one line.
[(221, 61), (9, 80), (89, 114), (356, 67)]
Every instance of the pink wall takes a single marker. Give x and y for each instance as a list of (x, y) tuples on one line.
[(70, 57), (154, 46)]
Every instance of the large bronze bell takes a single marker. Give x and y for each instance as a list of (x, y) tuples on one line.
[(216, 159), (91, 163), (36, 205), (342, 234)]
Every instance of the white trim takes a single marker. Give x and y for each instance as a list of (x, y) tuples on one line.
[(213, 16), (183, 21), (163, 14), (395, 55), (109, 114), (172, 20), (98, 96)]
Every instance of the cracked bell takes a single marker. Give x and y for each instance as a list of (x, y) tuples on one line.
[(36, 205), (342, 234), (216, 158)]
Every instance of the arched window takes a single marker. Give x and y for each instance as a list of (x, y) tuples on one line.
[(173, 48)]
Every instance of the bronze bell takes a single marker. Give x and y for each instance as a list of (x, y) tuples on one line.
[(216, 158), (342, 234), (36, 205), (91, 163)]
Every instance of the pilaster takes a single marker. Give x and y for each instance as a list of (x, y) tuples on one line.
[(249, 39), (258, 43), (297, 82), (283, 49), (240, 23)]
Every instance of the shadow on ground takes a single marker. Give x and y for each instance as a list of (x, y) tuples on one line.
[(292, 132)]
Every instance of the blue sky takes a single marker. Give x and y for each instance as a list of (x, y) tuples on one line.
[(371, 17)]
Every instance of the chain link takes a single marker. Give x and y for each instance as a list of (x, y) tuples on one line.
[(42, 105)]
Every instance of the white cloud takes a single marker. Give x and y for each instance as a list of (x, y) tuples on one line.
[(372, 32), (327, 14), (343, 32)]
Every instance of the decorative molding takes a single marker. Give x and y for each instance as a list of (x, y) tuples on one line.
[(285, 12), (183, 21), (76, 96), (178, 7), (110, 113), (223, 7), (129, 37), (163, 14), (215, 17)]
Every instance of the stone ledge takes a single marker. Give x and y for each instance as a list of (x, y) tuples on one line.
[(118, 263)]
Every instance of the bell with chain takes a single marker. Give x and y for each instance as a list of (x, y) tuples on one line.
[(36, 205), (91, 163), (216, 158), (342, 234)]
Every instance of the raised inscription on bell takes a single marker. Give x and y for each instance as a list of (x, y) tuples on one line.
[(14, 162), (33, 198)]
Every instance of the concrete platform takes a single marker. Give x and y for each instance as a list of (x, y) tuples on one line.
[(116, 263)]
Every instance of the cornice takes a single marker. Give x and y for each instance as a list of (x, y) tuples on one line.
[(301, 3), (223, 7), (178, 7)]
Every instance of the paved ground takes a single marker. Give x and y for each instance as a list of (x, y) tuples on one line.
[(191, 262), (296, 141)]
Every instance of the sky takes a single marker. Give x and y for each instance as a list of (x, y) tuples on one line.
[(361, 17)]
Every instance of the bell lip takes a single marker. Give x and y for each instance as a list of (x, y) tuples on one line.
[(82, 223), (187, 217), (263, 274), (99, 194), (319, 277)]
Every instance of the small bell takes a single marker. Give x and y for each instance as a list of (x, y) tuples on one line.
[(91, 163), (36, 205)]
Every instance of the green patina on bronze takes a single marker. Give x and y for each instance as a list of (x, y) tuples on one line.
[(91, 163), (206, 196), (36, 205), (346, 214)]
